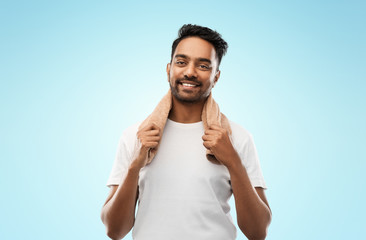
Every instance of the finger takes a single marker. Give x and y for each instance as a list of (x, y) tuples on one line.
[(151, 138), (147, 145), (208, 137), (215, 127), (154, 126), (151, 126), (211, 132), (150, 133), (141, 135), (207, 144)]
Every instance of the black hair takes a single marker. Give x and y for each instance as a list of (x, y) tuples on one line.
[(213, 37)]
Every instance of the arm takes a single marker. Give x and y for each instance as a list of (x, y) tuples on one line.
[(252, 209), (118, 212), (253, 212)]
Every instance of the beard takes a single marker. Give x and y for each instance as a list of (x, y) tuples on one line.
[(194, 98)]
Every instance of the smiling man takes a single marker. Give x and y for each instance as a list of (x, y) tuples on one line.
[(181, 194)]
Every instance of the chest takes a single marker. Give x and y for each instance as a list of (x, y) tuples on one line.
[(180, 169)]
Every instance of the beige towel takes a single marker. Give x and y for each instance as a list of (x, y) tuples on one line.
[(210, 115)]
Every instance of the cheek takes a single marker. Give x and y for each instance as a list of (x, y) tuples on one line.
[(212, 75), (175, 74), (210, 78), (175, 71), (172, 76)]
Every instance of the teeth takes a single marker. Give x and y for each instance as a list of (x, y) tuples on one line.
[(188, 85)]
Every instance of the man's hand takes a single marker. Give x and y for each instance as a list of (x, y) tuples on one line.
[(149, 138), (118, 213), (252, 210), (217, 140)]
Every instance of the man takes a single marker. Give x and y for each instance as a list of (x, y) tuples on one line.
[(181, 194)]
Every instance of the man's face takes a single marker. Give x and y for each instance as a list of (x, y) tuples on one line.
[(193, 70)]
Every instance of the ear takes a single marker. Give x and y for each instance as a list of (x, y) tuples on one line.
[(168, 70), (217, 76)]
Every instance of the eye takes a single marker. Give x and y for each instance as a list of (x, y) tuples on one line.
[(205, 67), (181, 63)]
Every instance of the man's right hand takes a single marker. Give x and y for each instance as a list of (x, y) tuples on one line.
[(118, 213), (149, 138)]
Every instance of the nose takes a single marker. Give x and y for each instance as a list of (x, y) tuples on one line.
[(190, 71)]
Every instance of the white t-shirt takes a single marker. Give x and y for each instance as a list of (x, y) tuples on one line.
[(182, 195)]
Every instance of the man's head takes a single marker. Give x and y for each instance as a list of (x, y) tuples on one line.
[(213, 37), (194, 67)]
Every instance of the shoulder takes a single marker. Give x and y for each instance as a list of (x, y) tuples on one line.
[(240, 136), (128, 139), (130, 131)]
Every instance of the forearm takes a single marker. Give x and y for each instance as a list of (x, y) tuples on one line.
[(253, 215), (118, 214)]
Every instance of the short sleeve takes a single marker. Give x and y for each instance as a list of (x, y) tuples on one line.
[(251, 162), (123, 157), (244, 145)]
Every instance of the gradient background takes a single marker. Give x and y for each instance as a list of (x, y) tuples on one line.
[(75, 74)]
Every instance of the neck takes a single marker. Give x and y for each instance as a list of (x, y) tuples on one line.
[(186, 112)]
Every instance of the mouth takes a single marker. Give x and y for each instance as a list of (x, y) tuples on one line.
[(189, 85)]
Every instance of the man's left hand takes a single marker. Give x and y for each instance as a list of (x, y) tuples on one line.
[(217, 140)]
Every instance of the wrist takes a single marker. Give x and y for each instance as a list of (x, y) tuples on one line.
[(235, 163), (134, 167)]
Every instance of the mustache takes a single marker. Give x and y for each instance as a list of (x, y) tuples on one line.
[(191, 79)]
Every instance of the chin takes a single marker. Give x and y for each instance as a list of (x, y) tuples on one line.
[(182, 96), (187, 99)]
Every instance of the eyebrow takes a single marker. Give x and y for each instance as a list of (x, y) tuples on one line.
[(204, 60), (199, 59), (181, 56)]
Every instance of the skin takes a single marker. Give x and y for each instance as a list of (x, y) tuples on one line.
[(194, 62), (118, 212)]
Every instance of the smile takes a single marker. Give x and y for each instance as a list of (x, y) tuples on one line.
[(188, 85)]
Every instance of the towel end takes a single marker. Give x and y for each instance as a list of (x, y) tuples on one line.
[(213, 159)]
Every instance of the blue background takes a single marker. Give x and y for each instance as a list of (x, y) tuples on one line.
[(75, 74)]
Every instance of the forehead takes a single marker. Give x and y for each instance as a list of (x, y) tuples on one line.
[(195, 47)]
